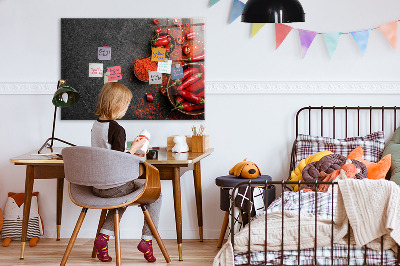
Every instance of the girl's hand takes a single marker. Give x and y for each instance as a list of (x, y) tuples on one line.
[(137, 144), (143, 155)]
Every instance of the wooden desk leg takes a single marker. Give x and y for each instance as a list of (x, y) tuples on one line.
[(27, 206), (176, 183), (60, 190), (199, 204)]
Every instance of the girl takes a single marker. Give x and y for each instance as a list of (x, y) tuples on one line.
[(112, 104)]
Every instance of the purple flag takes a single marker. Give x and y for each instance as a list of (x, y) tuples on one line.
[(306, 39)]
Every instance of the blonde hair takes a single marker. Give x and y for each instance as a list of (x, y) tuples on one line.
[(112, 99)]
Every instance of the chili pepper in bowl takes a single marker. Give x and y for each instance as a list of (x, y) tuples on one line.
[(179, 100), (195, 58), (158, 41), (197, 86), (169, 47), (189, 106), (202, 68), (191, 97), (190, 80), (189, 71)]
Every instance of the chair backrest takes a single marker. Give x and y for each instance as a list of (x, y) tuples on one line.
[(92, 166)]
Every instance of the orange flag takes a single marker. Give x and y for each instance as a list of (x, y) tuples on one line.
[(389, 30), (281, 31)]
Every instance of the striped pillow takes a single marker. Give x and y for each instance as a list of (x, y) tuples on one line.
[(372, 145)]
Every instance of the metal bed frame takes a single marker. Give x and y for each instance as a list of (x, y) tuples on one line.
[(283, 184)]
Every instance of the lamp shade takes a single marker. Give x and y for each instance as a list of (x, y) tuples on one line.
[(65, 96), (273, 11)]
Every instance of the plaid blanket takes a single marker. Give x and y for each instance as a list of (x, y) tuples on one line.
[(323, 205)]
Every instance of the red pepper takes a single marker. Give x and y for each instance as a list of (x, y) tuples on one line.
[(162, 37), (191, 97), (195, 87), (180, 40), (169, 47), (159, 46), (202, 69), (149, 97), (189, 71), (189, 106), (157, 30), (186, 49), (201, 94), (190, 35), (156, 21), (179, 100), (159, 41), (190, 80), (195, 58)]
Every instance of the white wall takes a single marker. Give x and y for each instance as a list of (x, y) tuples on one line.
[(258, 126)]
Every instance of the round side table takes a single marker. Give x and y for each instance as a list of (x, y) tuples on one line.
[(228, 182)]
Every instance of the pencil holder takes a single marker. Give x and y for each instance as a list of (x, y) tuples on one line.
[(200, 143)]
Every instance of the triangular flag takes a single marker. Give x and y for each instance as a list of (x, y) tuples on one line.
[(306, 39), (361, 37), (332, 41), (213, 2), (255, 28), (390, 32), (237, 9), (281, 31)]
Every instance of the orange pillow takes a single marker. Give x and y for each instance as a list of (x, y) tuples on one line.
[(375, 170)]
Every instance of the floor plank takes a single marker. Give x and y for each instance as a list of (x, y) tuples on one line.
[(49, 252)]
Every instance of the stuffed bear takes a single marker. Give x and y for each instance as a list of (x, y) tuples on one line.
[(180, 144), (13, 215), (245, 169)]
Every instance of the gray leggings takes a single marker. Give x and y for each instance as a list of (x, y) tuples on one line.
[(154, 208)]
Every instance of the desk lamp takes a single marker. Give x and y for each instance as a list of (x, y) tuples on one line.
[(65, 96), (273, 11)]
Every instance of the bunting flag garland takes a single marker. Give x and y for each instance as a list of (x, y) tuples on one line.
[(237, 9), (332, 41), (361, 37), (213, 2), (306, 39), (281, 31), (256, 27), (389, 30)]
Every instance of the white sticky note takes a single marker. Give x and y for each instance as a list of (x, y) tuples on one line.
[(155, 77), (164, 67), (104, 53), (95, 70)]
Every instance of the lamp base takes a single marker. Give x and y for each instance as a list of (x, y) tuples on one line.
[(50, 146)]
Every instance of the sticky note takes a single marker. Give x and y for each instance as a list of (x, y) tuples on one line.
[(115, 73), (177, 72), (158, 54), (95, 70), (104, 53), (155, 77), (164, 67), (106, 78)]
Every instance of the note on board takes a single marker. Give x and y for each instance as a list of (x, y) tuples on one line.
[(155, 77), (177, 72), (104, 53), (115, 73), (164, 67), (95, 70), (158, 54)]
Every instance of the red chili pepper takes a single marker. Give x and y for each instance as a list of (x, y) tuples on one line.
[(162, 37), (149, 97), (157, 30), (190, 35), (159, 46), (180, 40), (195, 58), (202, 69), (189, 106), (195, 87), (186, 49), (189, 71), (156, 21), (176, 21), (169, 47), (191, 97), (179, 100), (201, 94), (203, 27), (159, 41), (190, 80)]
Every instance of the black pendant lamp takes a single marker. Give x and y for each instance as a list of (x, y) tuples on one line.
[(273, 11)]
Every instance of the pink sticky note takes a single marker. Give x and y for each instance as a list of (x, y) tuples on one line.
[(115, 73)]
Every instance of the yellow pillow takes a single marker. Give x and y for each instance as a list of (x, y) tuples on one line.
[(296, 174)]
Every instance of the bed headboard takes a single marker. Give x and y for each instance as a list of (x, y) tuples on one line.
[(344, 121)]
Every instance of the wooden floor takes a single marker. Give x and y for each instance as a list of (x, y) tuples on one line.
[(50, 252)]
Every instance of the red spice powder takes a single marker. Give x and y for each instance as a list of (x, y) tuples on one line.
[(142, 68)]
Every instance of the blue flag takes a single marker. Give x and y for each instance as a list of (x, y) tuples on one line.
[(361, 38), (237, 9)]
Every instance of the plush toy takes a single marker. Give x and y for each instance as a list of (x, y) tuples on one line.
[(13, 215), (245, 169), (348, 170), (180, 144), (375, 170), (296, 174), (1, 220)]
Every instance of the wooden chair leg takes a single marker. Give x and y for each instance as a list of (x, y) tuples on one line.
[(154, 230), (117, 238), (73, 237), (223, 229), (101, 222)]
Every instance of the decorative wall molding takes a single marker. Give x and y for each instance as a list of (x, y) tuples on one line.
[(249, 87)]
